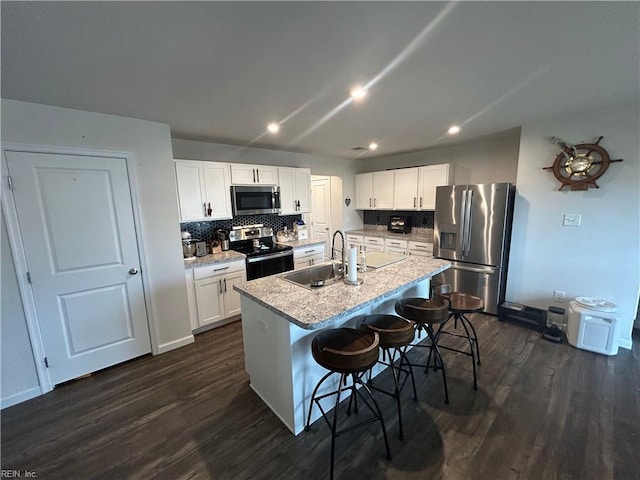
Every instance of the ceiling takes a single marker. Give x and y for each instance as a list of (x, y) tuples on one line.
[(220, 71)]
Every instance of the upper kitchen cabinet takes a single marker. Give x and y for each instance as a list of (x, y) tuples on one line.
[(431, 176), (203, 190), (374, 191), (243, 174), (405, 188), (295, 190)]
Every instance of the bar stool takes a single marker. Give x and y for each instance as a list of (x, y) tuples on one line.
[(425, 313), (395, 334), (350, 353), (461, 304)]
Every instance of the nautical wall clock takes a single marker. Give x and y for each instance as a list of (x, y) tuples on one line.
[(579, 166)]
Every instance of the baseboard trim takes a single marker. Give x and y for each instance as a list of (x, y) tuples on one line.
[(181, 342), (20, 397)]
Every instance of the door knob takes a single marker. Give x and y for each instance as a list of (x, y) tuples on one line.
[(133, 271)]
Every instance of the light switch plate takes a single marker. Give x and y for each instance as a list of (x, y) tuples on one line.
[(572, 219)]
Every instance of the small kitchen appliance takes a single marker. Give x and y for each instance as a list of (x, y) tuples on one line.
[(201, 248), (300, 230), (400, 223), (264, 257), (223, 237), (255, 200), (188, 245)]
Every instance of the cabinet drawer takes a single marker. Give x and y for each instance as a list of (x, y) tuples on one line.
[(422, 247), (310, 251), (355, 239), (374, 241), (400, 250), (217, 269), (392, 242)]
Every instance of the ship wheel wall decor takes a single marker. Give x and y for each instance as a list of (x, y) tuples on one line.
[(579, 166)]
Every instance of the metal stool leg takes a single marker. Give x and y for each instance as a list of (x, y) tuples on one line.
[(335, 423), (307, 427), (438, 359), (472, 347), (475, 338), (379, 413)]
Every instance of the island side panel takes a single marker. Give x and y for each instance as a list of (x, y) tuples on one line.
[(267, 357)]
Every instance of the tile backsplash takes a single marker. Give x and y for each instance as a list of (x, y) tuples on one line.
[(205, 230), (381, 217)]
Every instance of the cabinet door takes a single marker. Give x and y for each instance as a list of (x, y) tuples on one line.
[(209, 300), (405, 189), (383, 190), (303, 189), (431, 176), (242, 174), (266, 175), (231, 297), (190, 187), (364, 191), (217, 189), (286, 181)]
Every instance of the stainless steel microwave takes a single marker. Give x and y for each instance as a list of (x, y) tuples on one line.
[(254, 200)]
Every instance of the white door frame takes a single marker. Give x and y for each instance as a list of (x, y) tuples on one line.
[(19, 255)]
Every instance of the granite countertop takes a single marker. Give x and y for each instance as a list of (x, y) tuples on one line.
[(213, 258), (302, 243), (320, 308), (411, 237)]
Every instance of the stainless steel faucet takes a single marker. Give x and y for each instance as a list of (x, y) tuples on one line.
[(333, 244)]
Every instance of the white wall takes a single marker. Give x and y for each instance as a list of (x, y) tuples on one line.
[(487, 161), (150, 145), (18, 377), (319, 165), (602, 257)]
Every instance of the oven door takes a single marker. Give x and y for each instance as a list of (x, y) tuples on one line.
[(265, 265)]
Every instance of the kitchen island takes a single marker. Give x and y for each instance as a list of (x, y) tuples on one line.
[(279, 320)]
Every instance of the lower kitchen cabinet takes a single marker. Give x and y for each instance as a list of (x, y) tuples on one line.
[(374, 244), (307, 256), (421, 249), (214, 299)]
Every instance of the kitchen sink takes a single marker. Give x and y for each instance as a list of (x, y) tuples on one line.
[(316, 276)]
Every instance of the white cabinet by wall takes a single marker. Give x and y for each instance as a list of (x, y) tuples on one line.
[(307, 256), (405, 188), (374, 191), (431, 176), (244, 174), (203, 186), (395, 246), (421, 249), (374, 244), (216, 302), (295, 190)]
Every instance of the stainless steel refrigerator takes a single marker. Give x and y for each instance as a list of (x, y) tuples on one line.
[(472, 229)]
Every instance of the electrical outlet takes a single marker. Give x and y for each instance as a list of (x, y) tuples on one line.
[(558, 295), (571, 219)]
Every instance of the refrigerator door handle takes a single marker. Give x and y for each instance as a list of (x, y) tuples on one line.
[(466, 268), (467, 227), (462, 234)]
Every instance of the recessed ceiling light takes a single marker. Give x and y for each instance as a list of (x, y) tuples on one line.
[(454, 129), (358, 92), (373, 146), (273, 127)]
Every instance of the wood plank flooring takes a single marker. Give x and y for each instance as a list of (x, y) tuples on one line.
[(542, 411)]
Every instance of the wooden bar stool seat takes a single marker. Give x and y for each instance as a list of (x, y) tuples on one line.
[(425, 313), (395, 334), (349, 353)]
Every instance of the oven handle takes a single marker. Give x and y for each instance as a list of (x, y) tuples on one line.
[(270, 256)]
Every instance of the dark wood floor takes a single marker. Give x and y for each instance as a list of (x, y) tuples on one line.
[(542, 411)]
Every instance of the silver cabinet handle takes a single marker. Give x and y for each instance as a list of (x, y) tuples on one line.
[(414, 202), (225, 285), (258, 175), (220, 269), (420, 202), (308, 251), (369, 203), (133, 271), (254, 174)]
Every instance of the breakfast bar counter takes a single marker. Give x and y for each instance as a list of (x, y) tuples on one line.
[(279, 320)]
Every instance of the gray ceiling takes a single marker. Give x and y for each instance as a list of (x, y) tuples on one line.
[(219, 71)]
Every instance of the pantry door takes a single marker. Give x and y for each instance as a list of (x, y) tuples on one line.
[(75, 216), (321, 212)]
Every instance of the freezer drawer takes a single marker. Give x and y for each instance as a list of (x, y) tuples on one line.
[(481, 281)]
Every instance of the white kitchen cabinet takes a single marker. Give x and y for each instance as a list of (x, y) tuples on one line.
[(203, 186), (421, 249), (393, 245), (431, 176), (295, 190), (357, 240), (245, 174), (405, 188), (374, 244), (374, 191), (307, 256), (215, 299)]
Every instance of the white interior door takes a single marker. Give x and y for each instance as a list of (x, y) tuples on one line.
[(321, 212), (76, 221)]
